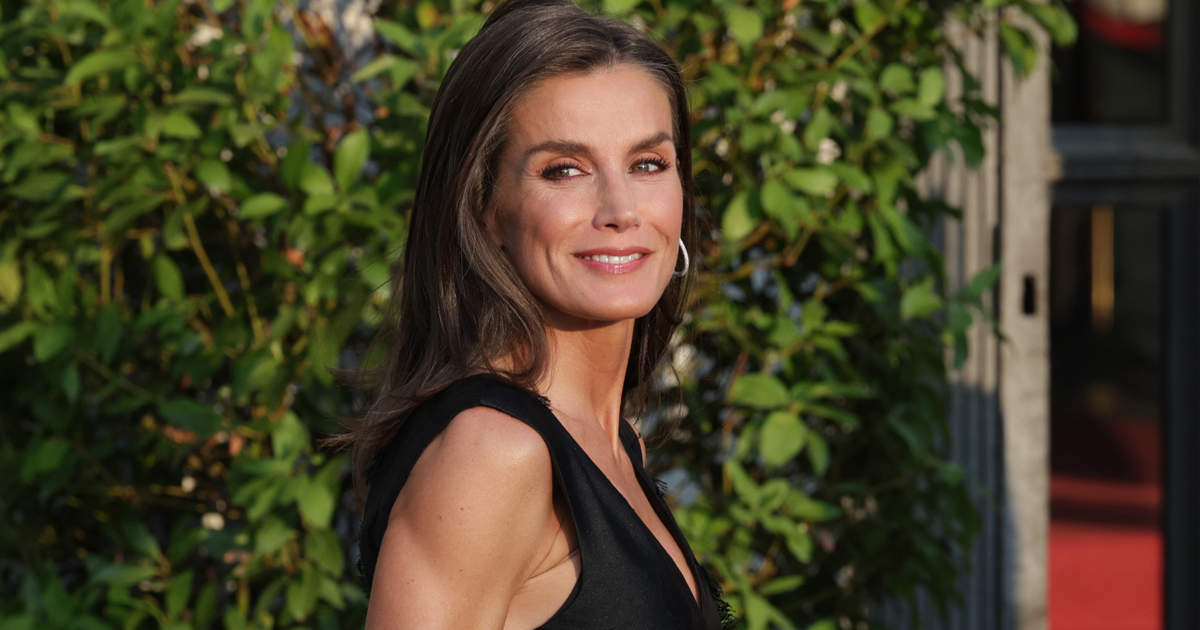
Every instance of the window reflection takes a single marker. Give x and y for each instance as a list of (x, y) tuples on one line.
[(1116, 73)]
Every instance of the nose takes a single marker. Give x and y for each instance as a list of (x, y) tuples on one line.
[(616, 206)]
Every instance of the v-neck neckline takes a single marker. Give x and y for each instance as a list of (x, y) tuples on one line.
[(672, 530)]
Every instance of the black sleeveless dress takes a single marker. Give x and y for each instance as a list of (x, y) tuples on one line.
[(627, 581)]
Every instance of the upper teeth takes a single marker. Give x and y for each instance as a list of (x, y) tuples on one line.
[(613, 259)]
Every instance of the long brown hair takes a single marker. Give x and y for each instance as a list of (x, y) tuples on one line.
[(457, 305)]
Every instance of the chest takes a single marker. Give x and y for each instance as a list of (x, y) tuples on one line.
[(620, 470)]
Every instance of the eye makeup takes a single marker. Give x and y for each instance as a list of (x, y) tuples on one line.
[(555, 172)]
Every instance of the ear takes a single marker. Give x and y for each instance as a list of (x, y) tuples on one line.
[(490, 218)]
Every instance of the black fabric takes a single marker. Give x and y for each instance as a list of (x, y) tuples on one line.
[(627, 581)]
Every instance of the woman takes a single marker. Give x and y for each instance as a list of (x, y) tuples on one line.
[(544, 273)]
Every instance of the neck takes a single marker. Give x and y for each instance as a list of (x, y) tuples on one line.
[(586, 373)]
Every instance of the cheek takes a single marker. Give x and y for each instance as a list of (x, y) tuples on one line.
[(665, 204), (535, 225)]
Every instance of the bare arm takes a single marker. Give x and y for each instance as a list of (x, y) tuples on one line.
[(469, 527)]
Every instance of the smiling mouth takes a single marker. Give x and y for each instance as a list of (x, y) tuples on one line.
[(614, 260)]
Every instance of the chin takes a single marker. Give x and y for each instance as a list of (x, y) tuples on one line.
[(615, 310)]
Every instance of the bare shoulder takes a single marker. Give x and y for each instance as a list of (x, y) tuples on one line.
[(468, 528), (483, 453), (492, 437)]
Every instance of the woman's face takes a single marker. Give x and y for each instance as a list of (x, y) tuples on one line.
[(588, 204)]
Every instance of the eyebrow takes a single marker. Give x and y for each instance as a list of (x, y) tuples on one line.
[(570, 146)]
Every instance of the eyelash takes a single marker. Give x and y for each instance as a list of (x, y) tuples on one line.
[(548, 172)]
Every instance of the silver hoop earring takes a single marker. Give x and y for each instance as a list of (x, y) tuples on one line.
[(687, 262)]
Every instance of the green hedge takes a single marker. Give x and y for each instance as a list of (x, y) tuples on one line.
[(194, 231)]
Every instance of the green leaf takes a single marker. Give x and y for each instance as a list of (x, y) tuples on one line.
[(897, 78), (868, 15), (620, 7), (261, 205), (108, 332), (40, 186), (759, 390), (776, 199), (400, 70), (398, 34), (879, 124), (818, 452), (854, 177), (743, 485), (45, 456), (139, 537), (912, 108), (325, 550), (350, 157), (818, 128), (316, 204), (190, 415), (316, 502), (289, 437), (23, 119), (194, 95), (253, 372), (814, 181), (315, 180), (745, 24), (784, 584), (86, 10), (99, 62), (982, 282), (179, 588), (1020, 48), (16, 333), (920, 300), (330, 592), (761, 614), (168, 278), (10, 280), (206, 605), (737, 222), (272, 535), (50, 341), (177, 124), (1056, 20), (781, 438), (71, 381), (931, 87), (801, 506), (800, 544), (123, 574), (214, 175), (300, 596), (295, 162)]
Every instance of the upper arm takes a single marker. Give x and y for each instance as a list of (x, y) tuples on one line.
[(467, 528)]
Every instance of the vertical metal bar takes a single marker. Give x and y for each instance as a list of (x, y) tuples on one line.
[(1181, 479)]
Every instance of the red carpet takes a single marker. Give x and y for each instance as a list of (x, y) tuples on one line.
[(1105, 572), (1106, 554)]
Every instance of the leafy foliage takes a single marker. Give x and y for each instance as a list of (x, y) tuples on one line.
[(196, 228)]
